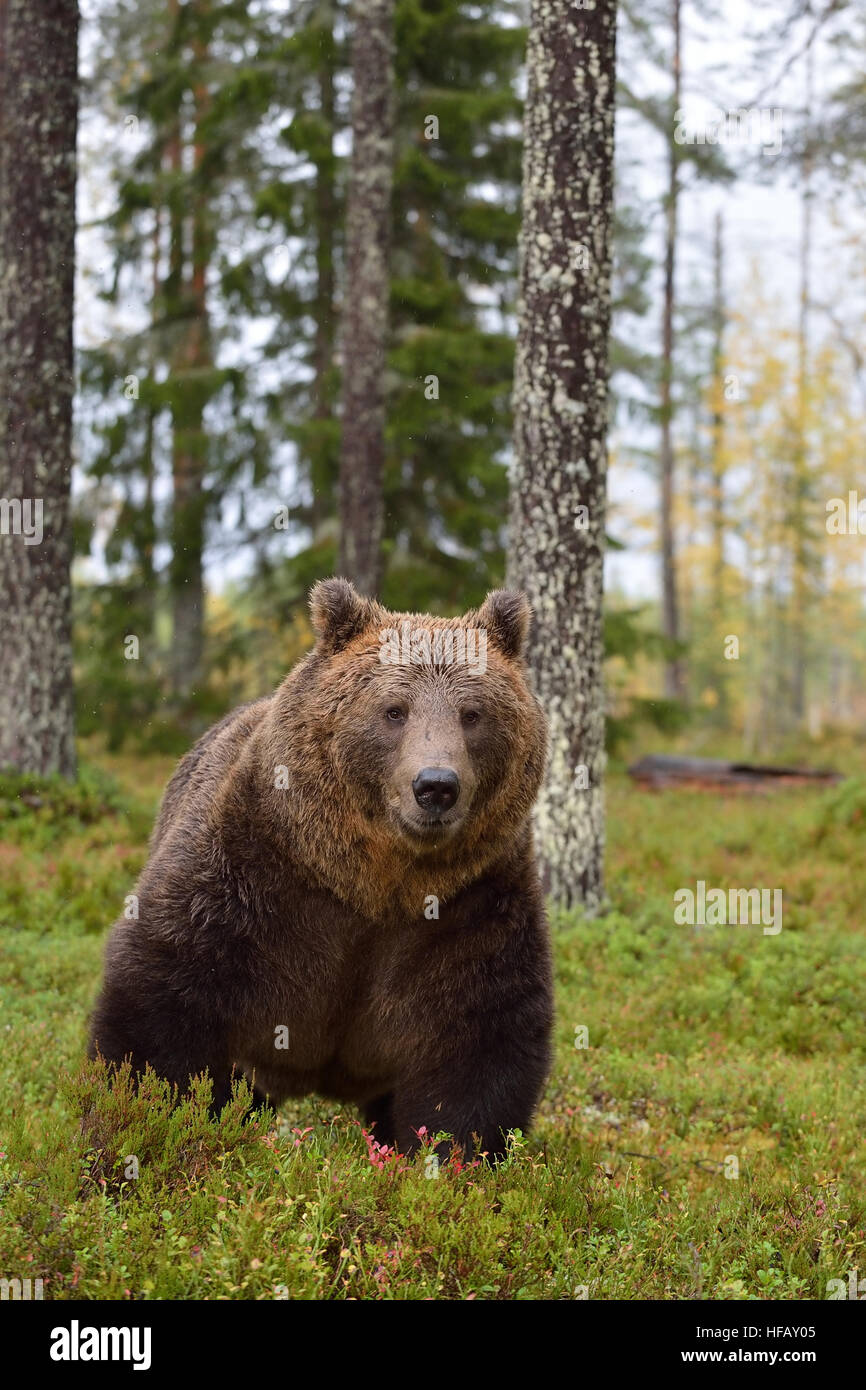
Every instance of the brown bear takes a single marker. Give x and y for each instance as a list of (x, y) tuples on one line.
[(341, 895)]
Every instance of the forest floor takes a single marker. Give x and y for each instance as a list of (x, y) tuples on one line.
[(707, 1142)]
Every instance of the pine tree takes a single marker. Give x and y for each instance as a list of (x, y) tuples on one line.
[(450, 352), (270, 186), (38, 123), (365, 311), (645, 23), (192, 363), (176, 73)]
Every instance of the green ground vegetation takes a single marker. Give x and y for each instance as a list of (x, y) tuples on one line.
[(711, 1052)]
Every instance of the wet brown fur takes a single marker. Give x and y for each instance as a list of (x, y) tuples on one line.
[(304, 905)]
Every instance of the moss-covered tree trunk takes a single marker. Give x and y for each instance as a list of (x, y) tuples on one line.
[(365, 312), (560, 406), (38, 123)]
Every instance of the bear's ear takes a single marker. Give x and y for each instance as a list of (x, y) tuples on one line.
[(338, 612), (506, 614)]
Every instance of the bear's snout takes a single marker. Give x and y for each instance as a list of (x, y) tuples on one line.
[(436, 789)]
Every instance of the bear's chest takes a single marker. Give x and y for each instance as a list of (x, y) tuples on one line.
[(343, 1004)]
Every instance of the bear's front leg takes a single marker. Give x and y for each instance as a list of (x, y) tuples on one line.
[(379, 1117), (477, 1079), (476, 1102), (476, 1022), (147, 1026)]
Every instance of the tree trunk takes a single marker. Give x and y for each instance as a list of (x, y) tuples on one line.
[(800, 490), (192, 366), (674, 681), (717, 467), (38, 124), (147, 538), (560, 428), (365, 313), (717, 461), (326, 219)]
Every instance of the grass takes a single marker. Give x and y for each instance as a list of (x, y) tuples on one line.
[(706, 1143)]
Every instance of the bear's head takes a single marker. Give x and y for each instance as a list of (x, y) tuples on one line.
[(422, 731)]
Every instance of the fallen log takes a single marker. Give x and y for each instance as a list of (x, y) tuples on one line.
[(666, 770)]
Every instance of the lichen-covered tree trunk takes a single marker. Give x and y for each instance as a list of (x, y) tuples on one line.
[(365, 312), (560, 432), (38, 124)]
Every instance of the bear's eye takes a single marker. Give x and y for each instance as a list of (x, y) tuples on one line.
[(470, 716), (395, 714)]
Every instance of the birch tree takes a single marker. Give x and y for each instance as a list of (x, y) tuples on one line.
[(561, 408), (38, 122), (365, 315)]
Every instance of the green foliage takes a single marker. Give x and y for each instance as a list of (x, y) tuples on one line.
[(629, 635), (844, 808), (665, 716), (453, 255), (114, 696), (269, 193), (175, 1140), (47, 827), (27, 801)]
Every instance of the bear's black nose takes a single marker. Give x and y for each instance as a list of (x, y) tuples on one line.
[(436, 788)]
